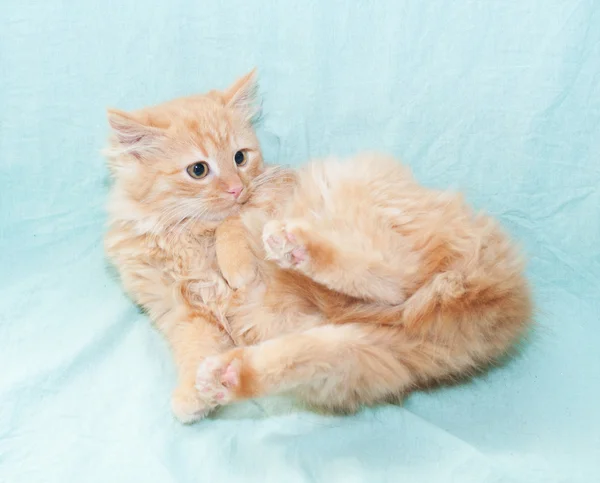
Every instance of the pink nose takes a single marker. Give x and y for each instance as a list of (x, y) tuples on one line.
[(235, 191)]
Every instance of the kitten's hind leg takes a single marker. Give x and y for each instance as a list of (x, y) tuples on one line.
[(192, 337), (364, 274), (335, 367)]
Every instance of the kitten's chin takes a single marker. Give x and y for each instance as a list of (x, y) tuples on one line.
[(231, 208), (220, 215)]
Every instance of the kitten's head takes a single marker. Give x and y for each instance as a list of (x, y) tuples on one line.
[(192, 157)]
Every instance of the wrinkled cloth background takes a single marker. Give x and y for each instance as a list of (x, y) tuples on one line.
[(500, 100)]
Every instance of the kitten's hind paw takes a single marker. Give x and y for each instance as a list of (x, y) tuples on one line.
[(284, 243), (217, 378)]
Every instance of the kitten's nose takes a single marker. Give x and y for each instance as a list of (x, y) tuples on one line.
[(235, 191)]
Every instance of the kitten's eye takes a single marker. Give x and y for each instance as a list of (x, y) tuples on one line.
[(198, 170), (240, 158)]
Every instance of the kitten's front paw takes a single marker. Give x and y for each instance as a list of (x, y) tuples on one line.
[(217, 378), (187, 407), (242, 277), (285, 243)]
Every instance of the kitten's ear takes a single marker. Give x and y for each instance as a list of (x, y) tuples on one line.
[(243, 95), (133, 136)]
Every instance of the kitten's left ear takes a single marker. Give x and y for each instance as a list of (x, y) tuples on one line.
[(243, 96), (133, 135)]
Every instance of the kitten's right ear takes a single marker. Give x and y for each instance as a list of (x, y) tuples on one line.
[(243, 96), (133, 136)]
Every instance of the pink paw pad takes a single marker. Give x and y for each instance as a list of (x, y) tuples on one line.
[(231, 375), (274, 242), (298, 255), (215, 379)]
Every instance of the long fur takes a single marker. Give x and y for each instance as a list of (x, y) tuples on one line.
[(375, 285), (345, 283)]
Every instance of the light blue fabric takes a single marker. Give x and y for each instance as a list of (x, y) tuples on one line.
[(498, 99)]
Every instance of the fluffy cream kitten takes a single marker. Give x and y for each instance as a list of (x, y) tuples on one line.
[(359, 286)]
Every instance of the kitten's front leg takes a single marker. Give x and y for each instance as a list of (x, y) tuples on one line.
[(234, 256), (295, 244)]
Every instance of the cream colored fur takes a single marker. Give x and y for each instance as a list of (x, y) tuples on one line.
[(344, 284), (370, 285)]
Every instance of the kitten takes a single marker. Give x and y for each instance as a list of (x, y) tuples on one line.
[(370, 285), (180, 169)]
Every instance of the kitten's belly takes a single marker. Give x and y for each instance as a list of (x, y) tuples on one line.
[(206, 291), (253, 319), (196, 278)]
